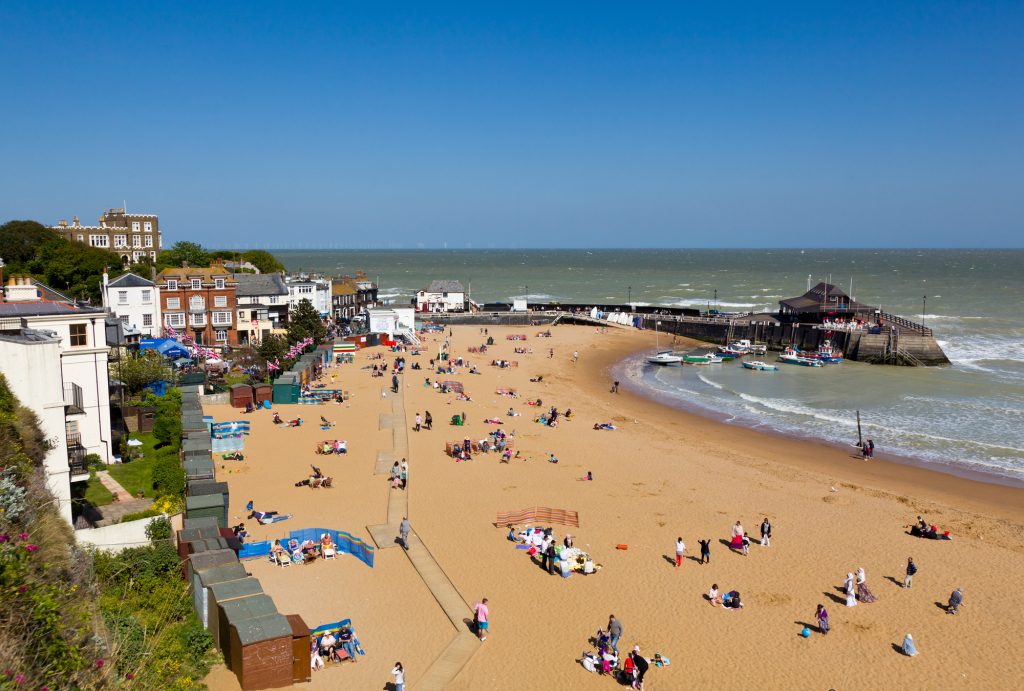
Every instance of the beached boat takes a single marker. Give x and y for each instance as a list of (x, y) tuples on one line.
[(705, 359), (743, 345), (793, 357), (665, 359), (826, 353), (760, 366), (730, 353)]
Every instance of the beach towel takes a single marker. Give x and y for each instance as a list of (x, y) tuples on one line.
[(539, 514)]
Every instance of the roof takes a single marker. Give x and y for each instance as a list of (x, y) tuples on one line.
[(344, 286), (38, 309), (445, 286), (130, 280), (253, 285), (194, 272), (822, 297), (49, 293)]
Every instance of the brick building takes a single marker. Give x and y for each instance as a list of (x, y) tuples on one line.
[(200, 302), (133, 237)]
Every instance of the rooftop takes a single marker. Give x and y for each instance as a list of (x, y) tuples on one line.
[(254, 285), (445, 286), (130, 280)]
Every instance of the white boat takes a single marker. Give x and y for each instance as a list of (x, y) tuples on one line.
[(744, 345), (666, 359), (760, 366), (705, 359), (793, 357)]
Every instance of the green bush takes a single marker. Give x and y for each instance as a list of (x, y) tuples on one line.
[(159, 529), (168, 475), (167, 421), (197, 640), (136, 515), (93, 461)]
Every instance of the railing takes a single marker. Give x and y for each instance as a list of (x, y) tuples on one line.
[(76, 454), (906, 323), (73, 403)]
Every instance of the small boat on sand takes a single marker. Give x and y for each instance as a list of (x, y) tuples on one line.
[(665, 359), (730, 353), (760, 366), (744, 345), (705, 359), (793, 357)]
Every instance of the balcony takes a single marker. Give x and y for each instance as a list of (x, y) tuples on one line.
[(73, 404), (76, 456)]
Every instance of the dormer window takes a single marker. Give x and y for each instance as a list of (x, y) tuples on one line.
[(172, 284), (197, 284), (218, 283)]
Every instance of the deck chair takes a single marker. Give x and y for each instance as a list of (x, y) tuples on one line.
[(330, 552), (286, 561)]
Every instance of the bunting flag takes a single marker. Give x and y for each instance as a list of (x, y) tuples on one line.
[(171, 332), (271, 366)]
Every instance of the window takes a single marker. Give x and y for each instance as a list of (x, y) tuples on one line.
[(120, 241), (136, 241), (172, 284), (122, 297), (99, 240), (218, 283), (148, 225), (146, 296), (221, 335), (124, 320), (79, 337), (175, 319), (305, 289), (197, 284), (149, 241), (81, 238), (198, 319), (273, 299), (196, 303), (241, 315), (152, 255), (221, 318), (147, 320), (136, 256), (135, 226), (174, 303), (220, 301)]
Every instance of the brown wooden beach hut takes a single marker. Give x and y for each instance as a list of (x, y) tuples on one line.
[(226, 591), (262, 393), (241, 395), (301, 670), (257, 642), (201, 585)]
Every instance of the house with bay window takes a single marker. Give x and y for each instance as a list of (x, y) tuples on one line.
[(201, 302)]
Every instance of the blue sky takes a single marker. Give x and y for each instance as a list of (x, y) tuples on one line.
[(521, 125)]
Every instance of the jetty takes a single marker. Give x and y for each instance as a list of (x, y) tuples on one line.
[(824, 313)]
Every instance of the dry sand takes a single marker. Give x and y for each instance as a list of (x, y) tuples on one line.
[(663, 473)]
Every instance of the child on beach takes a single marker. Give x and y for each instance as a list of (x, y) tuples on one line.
[(705, 551), (680, 549)]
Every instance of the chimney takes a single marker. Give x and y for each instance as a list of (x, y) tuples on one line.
[(21, 289), (184, 265)]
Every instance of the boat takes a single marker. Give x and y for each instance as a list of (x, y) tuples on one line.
[(760, 366), (665, 358), (744, 345), (730, 353), (794, 357), (826, 353), (705, 359)]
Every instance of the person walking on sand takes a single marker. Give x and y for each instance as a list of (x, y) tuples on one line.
[(956, 600), (394, 383), (398, 672), (403, 532), (482, 614), (851, 594), (746, 545), (680, 549), (404, 474), (737, 530), (550, 553), (705, 551), (911, 570), (766, 533), (419, 423), (822, 616), (575, 356), (614, 632), (428, 421)]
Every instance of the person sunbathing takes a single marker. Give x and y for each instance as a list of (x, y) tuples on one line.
[(537, 380), (552, 458), (297, 422), (340, 446), (277, 419), (603, 425)]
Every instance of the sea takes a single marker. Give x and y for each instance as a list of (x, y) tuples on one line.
[(966, 419)]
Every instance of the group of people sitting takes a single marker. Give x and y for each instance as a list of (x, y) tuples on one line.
[(303, 552), (317, 479), (338, 648), (604, 426), (606, 661), (554, 558), (550, 418), (729, 600), (297, 422), (329, 446), (923, 529)]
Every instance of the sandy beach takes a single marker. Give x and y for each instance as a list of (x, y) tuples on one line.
[(662, 473)]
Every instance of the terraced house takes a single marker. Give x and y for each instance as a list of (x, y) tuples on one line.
[(201, 302)]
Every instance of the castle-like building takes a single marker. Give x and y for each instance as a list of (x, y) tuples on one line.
[(131, 236)]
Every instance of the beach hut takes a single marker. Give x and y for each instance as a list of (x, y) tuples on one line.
[(196, 445), (192, 534), (214, 505), (241, 395), (286, 389), (198, 488), (301, 669), (262, 393), (226, 591), (198, 523), (257, 642), (208, 560), (204, 579), (192, 423), (198, 468)]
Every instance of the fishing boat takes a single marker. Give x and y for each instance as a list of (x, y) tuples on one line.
[(665, 358), (793, 357), (826, 353), (760, 366), (705, 359), (743, 345), (730, 353)]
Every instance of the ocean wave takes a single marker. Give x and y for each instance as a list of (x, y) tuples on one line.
[(698, 302), (983, 349), (710, 383)]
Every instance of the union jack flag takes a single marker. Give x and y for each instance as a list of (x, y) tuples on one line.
[(271, 366)]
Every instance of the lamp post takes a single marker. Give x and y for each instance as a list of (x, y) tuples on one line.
[(924, 310), (629, 298), (716, 300)]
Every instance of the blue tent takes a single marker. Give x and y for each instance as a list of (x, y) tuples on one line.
[(167, 347)]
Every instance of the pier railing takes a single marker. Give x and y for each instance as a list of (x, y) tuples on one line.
[(904, 323)]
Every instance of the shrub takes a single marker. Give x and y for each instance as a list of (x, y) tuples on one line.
[(167, 421), (159, 529), (136, 515)]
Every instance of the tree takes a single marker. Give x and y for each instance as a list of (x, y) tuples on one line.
[(167, 421), (264, 261), (273, 347), (136, 372), (305, 322), (192, 253), (20, 241)]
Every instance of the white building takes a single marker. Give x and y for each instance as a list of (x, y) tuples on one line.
[(262, 306), (441, 296), (54, 355), (135, 301), (396, 322), (316, 290)]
